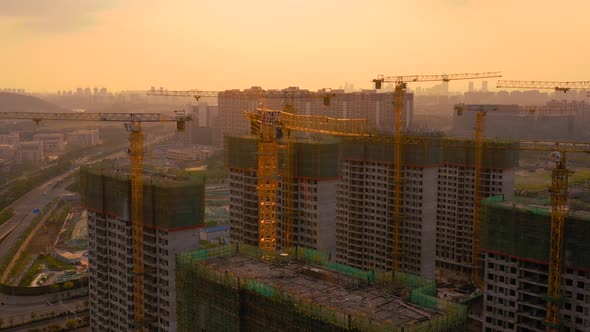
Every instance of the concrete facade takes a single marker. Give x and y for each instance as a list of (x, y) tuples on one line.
[(29, 152), (51, 142), (437, 209), (10, 139), (86, 137), (173, 213), (454, 216), (314, 199), (110, 271), (364, 231), (515, 295), (6, 151)]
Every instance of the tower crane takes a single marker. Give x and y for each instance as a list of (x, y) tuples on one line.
[(288, 96), (398, 107), (481, 111), (557, 86), (133, 123), (559, 191), (265, 123)]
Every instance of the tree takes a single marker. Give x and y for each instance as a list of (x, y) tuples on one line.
[(68, 285), (54, 288), (71, 323), (54, 327)]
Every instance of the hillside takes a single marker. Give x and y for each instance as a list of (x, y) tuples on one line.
[(13, 102)]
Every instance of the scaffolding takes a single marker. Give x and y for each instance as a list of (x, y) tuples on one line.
[(223, 289), (432, 151), (170, 201), (523, 231)]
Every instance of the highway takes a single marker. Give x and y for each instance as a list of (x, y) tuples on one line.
[(38, 198)]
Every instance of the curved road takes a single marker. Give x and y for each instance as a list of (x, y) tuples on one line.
[(38, 198)]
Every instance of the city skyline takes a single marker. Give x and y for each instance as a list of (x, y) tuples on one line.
[(215, 45)]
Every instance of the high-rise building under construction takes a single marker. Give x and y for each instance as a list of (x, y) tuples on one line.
[(515, 238), (311, 190), (437, 203), (230, 288), (437, 200), (173, 212)]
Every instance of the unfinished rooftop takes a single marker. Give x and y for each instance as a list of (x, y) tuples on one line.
[(232, 288)]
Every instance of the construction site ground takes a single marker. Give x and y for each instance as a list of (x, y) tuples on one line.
[(36, 263), (326, 288)]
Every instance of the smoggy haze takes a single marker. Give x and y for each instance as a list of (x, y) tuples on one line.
[(61, 44)]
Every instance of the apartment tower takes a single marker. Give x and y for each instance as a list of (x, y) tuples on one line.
[(173, 214)]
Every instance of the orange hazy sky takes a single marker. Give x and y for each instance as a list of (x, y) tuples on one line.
[(50, 45)]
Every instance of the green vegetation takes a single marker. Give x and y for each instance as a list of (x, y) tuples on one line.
[(71, 323), (75, 185), (18, 243), (580, 176), (21, 239), (6, 215), (20, 265), (540, 180), (49, 262), (204, 244), (24, 185), (216, 171), (211, 223)]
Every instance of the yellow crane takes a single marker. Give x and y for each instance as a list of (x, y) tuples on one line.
[(133, 123), (559, 191), (481, 111), (288, 100), (398, 108), (265, 123)]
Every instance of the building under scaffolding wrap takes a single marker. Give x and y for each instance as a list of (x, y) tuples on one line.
[(173, 214), (515, 241), (230, 288), (355, 225), (310, 220)]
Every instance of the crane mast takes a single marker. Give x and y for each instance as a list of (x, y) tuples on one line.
[(481, 110), (268, 167), (264, 123), (133, 123), (558, 190), (398, 108)]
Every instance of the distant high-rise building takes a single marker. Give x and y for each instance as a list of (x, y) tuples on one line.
[(29, 152), (173, 214), (484, 86), (6, 151), (376, 107), (10, 139), (471, 86), (52, 143), (95, 91), (84, 137)]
